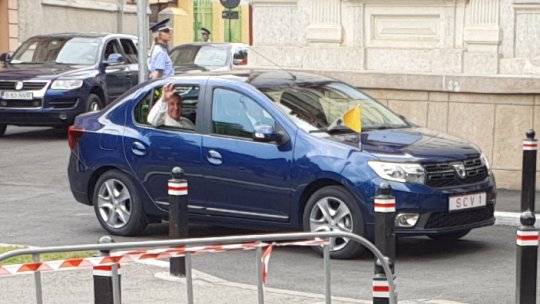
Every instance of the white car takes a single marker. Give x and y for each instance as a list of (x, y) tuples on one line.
[(208, 56)]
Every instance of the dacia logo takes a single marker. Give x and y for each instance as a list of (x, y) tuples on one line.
[(19, 85), (460, 170)]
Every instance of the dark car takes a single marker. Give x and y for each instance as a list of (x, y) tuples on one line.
[(52, 78), (214, 57), (268, 151)]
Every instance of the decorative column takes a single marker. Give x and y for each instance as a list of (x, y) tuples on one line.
[(482, 36), (325, 25)]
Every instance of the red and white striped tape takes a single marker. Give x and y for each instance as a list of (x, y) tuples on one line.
[(381, 289), (105, 270), (385, 205), (527, 238), (178, 188), (131, 256), (265, 259), (530, 145)]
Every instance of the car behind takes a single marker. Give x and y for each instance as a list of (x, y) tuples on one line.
[(270, 151), (52, 78)]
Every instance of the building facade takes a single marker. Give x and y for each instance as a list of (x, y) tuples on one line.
[(20, 19), (470, 68)]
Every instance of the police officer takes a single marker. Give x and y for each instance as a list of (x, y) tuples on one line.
[(160, 64), (205, 33)]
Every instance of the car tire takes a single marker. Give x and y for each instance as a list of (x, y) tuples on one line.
[(93, 103), (117, 204), (2, 129), (335, 199), (450, 236)]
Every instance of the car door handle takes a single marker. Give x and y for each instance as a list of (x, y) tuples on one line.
[(214, 157), (138, 148)]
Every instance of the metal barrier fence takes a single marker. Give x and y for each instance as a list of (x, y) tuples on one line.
[(188, 243)]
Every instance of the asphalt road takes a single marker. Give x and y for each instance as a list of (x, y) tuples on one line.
[(38, 209)]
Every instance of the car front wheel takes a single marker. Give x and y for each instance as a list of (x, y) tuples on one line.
[(333, 208), (117, 204), (93, 103)]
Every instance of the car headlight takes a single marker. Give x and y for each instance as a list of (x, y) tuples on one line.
[(399, 172), (485, 161), (66, 84)]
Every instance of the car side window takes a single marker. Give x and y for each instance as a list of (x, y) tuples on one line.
[(112, 47), (234, 114), (129, 50), (189, 98), (240, 56)]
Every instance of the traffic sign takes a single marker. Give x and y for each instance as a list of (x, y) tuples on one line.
[(229, 15), (230, 3)]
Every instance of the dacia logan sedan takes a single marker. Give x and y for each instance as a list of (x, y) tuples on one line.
[(51, 78), (268, 151)]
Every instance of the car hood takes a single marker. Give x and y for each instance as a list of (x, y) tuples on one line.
[(39, 71), (412, 145)]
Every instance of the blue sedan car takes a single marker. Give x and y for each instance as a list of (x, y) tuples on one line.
[(268, 151)]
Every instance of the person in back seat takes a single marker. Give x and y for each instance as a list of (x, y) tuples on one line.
[(168, 110)]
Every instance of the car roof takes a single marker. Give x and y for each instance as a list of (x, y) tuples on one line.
[(262, 79), (84, 35)]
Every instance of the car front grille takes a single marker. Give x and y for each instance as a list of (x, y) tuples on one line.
[(27, 85), (439, 175), (442, 220)]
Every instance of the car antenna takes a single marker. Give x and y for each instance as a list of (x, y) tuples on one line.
[(272, 62)]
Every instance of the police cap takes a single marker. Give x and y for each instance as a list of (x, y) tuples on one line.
[(161, 26)]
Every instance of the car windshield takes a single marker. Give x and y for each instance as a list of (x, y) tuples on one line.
[(319, 106), (207, 56), (54, 50)]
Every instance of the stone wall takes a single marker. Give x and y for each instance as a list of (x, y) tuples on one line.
[(50, 16)]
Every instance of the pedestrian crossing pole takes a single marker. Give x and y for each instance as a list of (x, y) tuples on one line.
[(527, 234), (385, 241)]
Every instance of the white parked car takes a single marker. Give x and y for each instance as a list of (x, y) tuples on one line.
[(208, 56)]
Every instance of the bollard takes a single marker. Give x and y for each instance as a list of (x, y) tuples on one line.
[(178, 216), (106, 279), (528, 172), (385, 241), (527, 234)]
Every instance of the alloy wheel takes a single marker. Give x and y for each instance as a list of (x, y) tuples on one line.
[(331, 214), (114, 203)]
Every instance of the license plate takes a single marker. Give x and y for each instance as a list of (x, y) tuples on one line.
[(16, 95), (467, 201)]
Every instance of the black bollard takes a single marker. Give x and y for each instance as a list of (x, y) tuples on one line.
[(385, 241), (527, 234), (178, 217), (106, 279), (528, 172)]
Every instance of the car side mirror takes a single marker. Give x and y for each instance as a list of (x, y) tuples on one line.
[(115, 59), (267, 133), (5, 57)]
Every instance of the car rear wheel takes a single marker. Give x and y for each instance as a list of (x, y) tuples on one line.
[(93, 103), (117, 204), (333, 208), (451, 236), (2, 129)]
